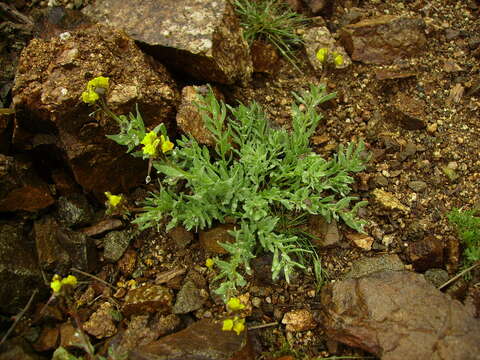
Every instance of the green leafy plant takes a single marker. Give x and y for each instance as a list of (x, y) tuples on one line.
[(273, 21), (253, 171), (468, 227)]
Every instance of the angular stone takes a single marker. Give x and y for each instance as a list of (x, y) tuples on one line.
[(326, 234), (319, 37), (102, 227), (408, 112), (299, 320), (48, 339), (417, 185), (399, 315), (68, 335), (204, 340), (198, 37), (148, 299), (20, 187), (115, 243), (50, 79), (363, 241), (388, 200), (388, 74), (74, 210), (189, 118), (384, 39), (365, 266), (188, 299), (181, 237), (210, 239), (426, 253), (101, 324), (18, 348), (19, 271), (265, 57)]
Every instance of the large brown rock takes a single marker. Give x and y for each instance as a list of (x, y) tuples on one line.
[(199, 37), (20, 187), (50, 79), (204, 340), (383, 39), (399, 315)]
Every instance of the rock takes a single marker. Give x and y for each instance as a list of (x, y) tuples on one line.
[(204, 340), (18, 349), (363, 241), (127, 263), (417, 185), (398, 315), (189, 118), (366, 266), (102, 227), (389, 74), (48, 339), (325, 234), (384, 39), (388, 200), (59, 249), (20, 187), (299, 320), (64, 183), (115, 243), (68, 336), (210, 239), (265, 58), (316, 6), (101, 324), (19, 271), (74, 210), (53, 21), (197, 37), (188, 299), (437, 277), (319, 37), (181, 237), (426, 253), (148, 299), (6, 123), (408, 112), (50, 79)]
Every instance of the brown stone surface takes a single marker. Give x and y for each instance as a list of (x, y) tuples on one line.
[(198, 37), (181, 236), (148, 299), (408, 112), (50, 79), (299, 320), (6, 121), (102, 227), (68, 339), (20, 187), (399, 315), (48, 339), (189, 118), (384, 39), (101, 324), (264, 57), (326, 234), (427, 253), (388, 74), (204, 340), (210, 239)]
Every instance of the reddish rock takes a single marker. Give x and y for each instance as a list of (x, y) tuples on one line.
[(48, 339), (209, 47), (363, 241), (20, 188), (148, 299), (326, 234), (384, 39), (399, 315), (408, 112), (204, 340), (181, 236), (427, 253), (265, 57), (50, 78), (64, 183), (388, 74), (210, 239), (299, 320), (101, 324), (68, 337), (102, 227)]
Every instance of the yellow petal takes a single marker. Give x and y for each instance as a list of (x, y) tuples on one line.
[(227, 325), (56, 286), (338, 60), (149, 138), (89, 97), (99, 82), (239, 326), (209, 263), (113, 200), (322, 54), (234, 304), (69, 280)]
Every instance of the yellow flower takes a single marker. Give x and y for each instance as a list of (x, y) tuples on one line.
[(322, 54), (234, 304), (209, 263), (95, 88), (338, 60), (56, 283), (150, 142), (238, 325), (167, 145), (113, 200), (227, 325), (69, 280), (99, 82), (89, 97)]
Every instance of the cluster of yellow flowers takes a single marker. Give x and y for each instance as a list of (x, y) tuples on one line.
[(151, 142), (95, 87), (234, 324), (58, 282), (322, 56), (113, 200)]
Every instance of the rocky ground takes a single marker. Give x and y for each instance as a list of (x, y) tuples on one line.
[(410, 88)]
